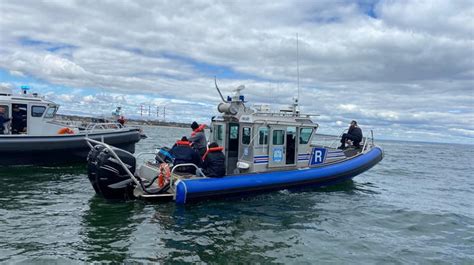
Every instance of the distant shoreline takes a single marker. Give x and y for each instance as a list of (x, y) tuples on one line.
[(127, 121)]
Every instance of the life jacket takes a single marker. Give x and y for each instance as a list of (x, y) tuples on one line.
[(65, 130), (183, 143), (210, 150), (199, 129)]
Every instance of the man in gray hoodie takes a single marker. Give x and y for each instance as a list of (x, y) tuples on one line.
[(198, 138)]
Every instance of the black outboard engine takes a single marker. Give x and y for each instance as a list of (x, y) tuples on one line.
[(107, 175)]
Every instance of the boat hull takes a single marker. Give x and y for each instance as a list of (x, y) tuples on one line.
[(199, 189), (60, 149)]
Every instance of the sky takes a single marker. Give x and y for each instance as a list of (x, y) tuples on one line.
[(402, 68)]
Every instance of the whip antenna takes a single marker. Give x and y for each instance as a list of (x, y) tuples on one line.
[(218, 90), (297, 67)]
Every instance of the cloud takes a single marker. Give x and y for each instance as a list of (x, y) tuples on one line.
[(407, 65)]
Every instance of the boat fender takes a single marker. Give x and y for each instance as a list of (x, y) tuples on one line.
[(65, 130), (243, 165), (164, 176)]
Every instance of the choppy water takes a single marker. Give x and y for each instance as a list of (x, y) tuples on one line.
[(416, 206)]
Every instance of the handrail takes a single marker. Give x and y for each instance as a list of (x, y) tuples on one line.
[(367, 141), (102, 126), (182, 165)]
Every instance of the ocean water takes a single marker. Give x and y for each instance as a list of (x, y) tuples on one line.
[(416, 206)]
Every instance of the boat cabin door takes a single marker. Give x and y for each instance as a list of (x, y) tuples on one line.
[(277, 150), (232, 148)]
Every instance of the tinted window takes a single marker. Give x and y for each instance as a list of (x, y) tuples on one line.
[(278, 137), (37, 111), (305, 135), (246, 135), (263, 135), (219, 134)]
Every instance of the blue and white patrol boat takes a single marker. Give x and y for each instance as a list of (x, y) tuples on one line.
[(264, 151)]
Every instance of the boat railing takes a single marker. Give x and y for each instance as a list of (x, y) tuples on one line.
[(332, 141), (183, 165), (100, 126), (327, 141), (368, 142)]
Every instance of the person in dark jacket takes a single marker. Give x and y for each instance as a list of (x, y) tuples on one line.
[(18, 120), (198, 138), (214, 162), (183, 153), (3, 120), (354, 134)]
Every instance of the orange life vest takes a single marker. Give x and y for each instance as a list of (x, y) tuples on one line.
[(183, 143), (199, 129), (65, 130), (210, 150)]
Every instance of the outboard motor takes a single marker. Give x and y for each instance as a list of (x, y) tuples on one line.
[(107, 175)]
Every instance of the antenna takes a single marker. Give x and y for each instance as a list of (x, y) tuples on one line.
[(218, 90), (297, 67)]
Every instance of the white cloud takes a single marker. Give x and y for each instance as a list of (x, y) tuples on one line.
[(410, 66)]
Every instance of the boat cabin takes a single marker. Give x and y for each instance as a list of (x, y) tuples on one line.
[(27, 112), (258, 140)]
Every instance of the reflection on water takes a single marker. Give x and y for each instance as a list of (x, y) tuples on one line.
[(104, 225)]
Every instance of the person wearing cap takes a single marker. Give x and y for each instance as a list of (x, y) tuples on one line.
[(3, 120), (214, 162), (183, 153), (198, 138), (354, 134)]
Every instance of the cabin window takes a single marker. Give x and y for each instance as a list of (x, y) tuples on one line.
[(234, 132), (305, 135), (219, 134), (246, 135), (278, 137), (263, 136), (37, 111), (50, 112)]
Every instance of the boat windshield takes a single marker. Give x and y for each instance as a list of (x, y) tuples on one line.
[(51, 112)]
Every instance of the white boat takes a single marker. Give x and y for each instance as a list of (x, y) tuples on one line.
[(33, 135)]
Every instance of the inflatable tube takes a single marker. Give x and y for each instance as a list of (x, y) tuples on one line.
[(196, 189)]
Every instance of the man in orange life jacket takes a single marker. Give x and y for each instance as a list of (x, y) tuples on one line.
[(183, 153), (198, 138), (214, 162)]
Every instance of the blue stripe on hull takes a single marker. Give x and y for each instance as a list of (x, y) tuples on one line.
[(195, 189)]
